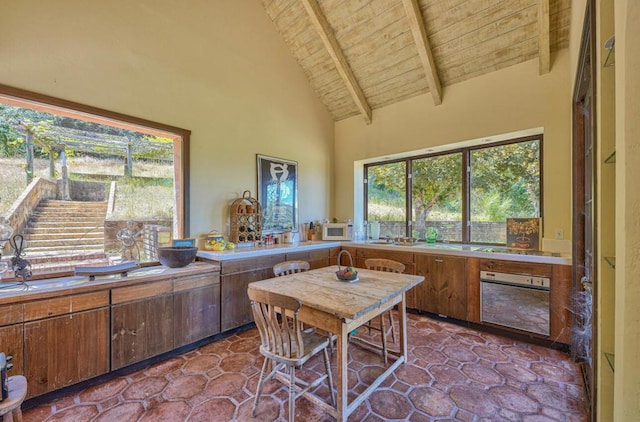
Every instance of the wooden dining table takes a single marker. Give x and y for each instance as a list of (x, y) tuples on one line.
[(339, 307)]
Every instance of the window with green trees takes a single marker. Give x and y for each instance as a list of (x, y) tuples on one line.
[(466, 194), (387, 197)]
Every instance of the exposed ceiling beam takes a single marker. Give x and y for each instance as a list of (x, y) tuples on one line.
[(416, 23), (319, 21), (544, 44)]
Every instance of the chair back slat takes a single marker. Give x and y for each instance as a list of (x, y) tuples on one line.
[(276, 317), (290, 267), (383, 264)]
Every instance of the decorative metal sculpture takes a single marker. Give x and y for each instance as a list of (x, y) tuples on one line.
[(129, 250), (21, 267)]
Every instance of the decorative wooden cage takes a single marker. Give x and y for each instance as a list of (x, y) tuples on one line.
[(246, 220), (153, 237)]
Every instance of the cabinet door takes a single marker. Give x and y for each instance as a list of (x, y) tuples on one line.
[(424, 295), (64, 350), (11, 343), (236, 308), (140, 330), (444, 289), (451, 275), (196, 314)]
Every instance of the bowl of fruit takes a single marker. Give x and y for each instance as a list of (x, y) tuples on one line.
[(349, 273)]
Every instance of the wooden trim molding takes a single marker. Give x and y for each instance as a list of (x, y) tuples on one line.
[(416, 23), (319, 21)]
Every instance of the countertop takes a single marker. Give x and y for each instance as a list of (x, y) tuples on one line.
[(475, 251), (12, 292)]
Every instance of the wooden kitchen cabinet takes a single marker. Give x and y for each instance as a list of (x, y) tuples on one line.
[(196, 308), (362, 254), (12, 335), (559, 294), (12, 344), (141, 322), (444, 289), (318, 258), (333, 259), (66, 349), (235, 277)]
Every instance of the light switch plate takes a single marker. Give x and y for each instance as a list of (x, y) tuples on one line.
[(559, 234)]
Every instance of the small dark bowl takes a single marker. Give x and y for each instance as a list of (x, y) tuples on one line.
[(177, 256)]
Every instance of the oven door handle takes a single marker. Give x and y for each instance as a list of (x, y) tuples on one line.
[(522, 286)]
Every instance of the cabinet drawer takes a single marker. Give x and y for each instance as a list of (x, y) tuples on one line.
[(188, 283), (400, 256), (513, 267), (309, 256), (65, 305), (143, 291), (249, 264), (10, 314)]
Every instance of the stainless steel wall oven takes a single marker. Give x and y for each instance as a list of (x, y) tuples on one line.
[(515, 300)]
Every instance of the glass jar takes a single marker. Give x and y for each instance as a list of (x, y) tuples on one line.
[(431, 235)]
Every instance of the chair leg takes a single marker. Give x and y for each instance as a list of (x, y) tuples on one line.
[(383, 332), (292, 394), (260, 385), (327, 367), (393, 329)]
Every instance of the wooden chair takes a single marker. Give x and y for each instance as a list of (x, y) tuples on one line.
[(391, 266), (290, 267), (293, 267), (286, 345)]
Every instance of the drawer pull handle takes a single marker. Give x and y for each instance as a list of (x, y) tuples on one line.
[(439, 260)]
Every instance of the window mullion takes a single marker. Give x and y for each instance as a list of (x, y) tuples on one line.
[(466, 197), (409, 192)]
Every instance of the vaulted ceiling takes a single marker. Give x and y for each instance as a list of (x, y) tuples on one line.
[(361, 55)]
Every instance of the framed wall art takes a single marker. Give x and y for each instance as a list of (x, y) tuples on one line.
[(524, 233), (278, 193)]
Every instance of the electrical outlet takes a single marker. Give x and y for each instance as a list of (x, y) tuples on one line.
[(559, 234)]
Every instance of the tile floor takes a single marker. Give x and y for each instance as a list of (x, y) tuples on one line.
[(453, 374)]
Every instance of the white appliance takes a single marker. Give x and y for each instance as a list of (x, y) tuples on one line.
[(337, 231)]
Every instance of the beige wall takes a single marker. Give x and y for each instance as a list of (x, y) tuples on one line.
[(509, 100), (605, 210), (217, 68), (627, 316)]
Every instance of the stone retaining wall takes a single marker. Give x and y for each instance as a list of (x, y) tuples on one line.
[(23, 207)]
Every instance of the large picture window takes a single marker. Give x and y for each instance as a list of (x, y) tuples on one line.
[(387, 197), (465, 195), (85, 186)]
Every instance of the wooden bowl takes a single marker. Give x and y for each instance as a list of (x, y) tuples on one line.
[(176, 256)]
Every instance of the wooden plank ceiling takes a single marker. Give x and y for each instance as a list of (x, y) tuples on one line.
[(360, 55)]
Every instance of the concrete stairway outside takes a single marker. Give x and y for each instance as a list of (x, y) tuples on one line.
[(63, 234)]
